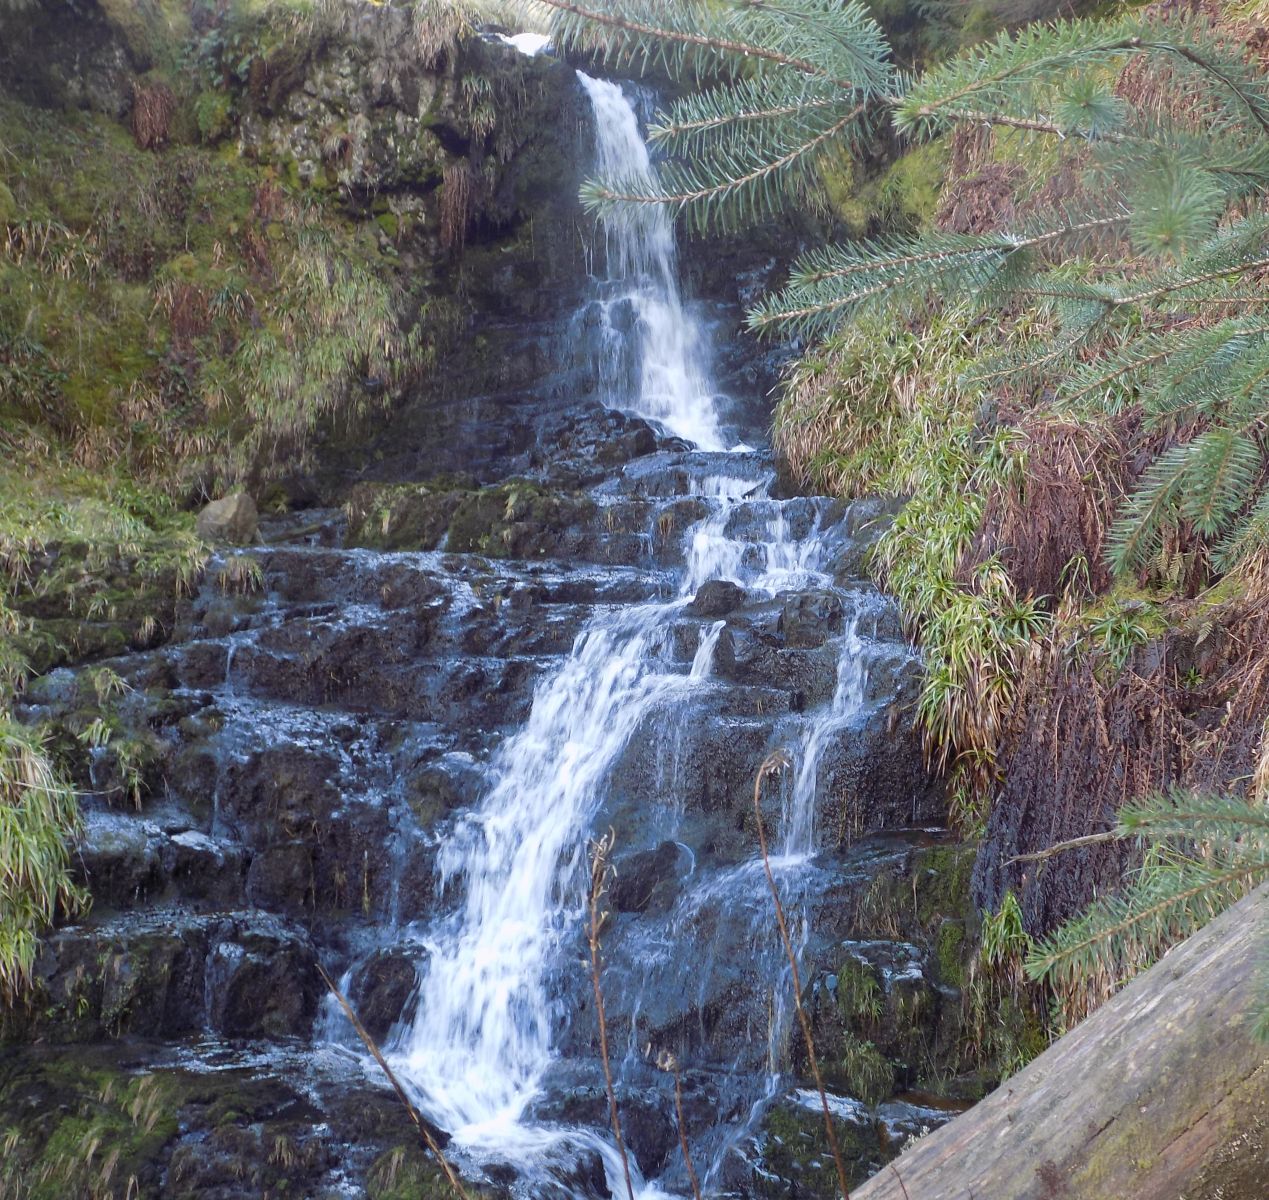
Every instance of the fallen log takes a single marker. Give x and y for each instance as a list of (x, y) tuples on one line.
[(1162, 1094)]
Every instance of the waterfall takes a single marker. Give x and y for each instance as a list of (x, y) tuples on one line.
[(488, 1013), (640, 294)]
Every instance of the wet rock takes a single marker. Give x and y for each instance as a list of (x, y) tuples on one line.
[(795, 1156), (120, 859), (204, 871), (810, 618), (647, 1121), (280, 878), (717, 598), (262, 980), (232, 519), (437, 788), (647, 881), (382, 988)]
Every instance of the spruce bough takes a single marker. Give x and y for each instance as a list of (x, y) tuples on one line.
[(1140, 286)]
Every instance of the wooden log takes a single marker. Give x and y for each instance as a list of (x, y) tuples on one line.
[(1162, 1094)]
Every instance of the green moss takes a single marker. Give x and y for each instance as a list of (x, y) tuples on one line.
[(859, 996), (908, 192), (213, 115), (860, 1070), (103, 1128), (949, 952), (153, 31), (405, 1174), (518, 519), (8, 205), (795, 1147), (943, 875)]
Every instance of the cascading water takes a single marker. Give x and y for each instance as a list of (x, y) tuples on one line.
[(646, 330), (487, 1017)]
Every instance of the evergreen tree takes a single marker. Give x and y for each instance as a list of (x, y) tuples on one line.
[(1141, 284), (1147, 282)]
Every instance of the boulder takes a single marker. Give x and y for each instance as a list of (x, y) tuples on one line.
[(717, 598), (383, 985), (811, 617), (232, 519), (648, 880)]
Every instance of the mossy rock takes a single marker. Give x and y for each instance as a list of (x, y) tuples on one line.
[(73, 1117), (797, 1159), (401, 516), (518, 519), (405, 1174), (949, 952)]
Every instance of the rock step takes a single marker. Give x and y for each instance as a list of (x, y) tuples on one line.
[(164, 973)]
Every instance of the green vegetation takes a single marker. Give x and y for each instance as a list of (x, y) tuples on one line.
[(1061, 363), (176, 319), (105, 1136), (1177, 890)]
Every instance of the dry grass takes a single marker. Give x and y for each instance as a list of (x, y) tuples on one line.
[(153, 106), (458, 200)]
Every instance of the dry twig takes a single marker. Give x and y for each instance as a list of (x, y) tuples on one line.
[(424, 1132), (598, 885)]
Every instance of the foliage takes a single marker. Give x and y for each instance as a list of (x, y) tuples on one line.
[(101, 1144), (880, 411), (263, 318), (1079, 436), (1170, 197), (64, 535), (1205, 852), (38, 815)]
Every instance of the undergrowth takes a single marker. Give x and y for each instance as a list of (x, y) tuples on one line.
[(175, 320), (1081, 554)]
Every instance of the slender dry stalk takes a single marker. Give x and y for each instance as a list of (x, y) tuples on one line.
[(1091, 839), (600, 850), (419, 1124), (775, 762), (666, 1061)]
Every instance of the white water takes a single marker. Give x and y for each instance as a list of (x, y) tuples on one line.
[(480, 1039), (673, 385)]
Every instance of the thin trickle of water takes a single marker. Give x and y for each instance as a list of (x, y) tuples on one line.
[(798, 816)]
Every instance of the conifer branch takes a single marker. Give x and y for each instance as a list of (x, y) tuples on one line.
[(663, 133), (598, 197), (1050, 955), (722, 45), (1192, 281)]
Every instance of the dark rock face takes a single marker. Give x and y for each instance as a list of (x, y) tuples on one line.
[(717, 598)]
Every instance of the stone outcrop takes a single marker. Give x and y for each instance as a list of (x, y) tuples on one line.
[(232, 519)]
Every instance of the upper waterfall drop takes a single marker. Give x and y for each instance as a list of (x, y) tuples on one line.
[(672, 383)]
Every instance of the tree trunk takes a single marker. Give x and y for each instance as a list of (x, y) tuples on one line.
[(1162, 1094)]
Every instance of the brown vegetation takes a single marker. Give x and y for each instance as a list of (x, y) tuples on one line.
[(153, 106)]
